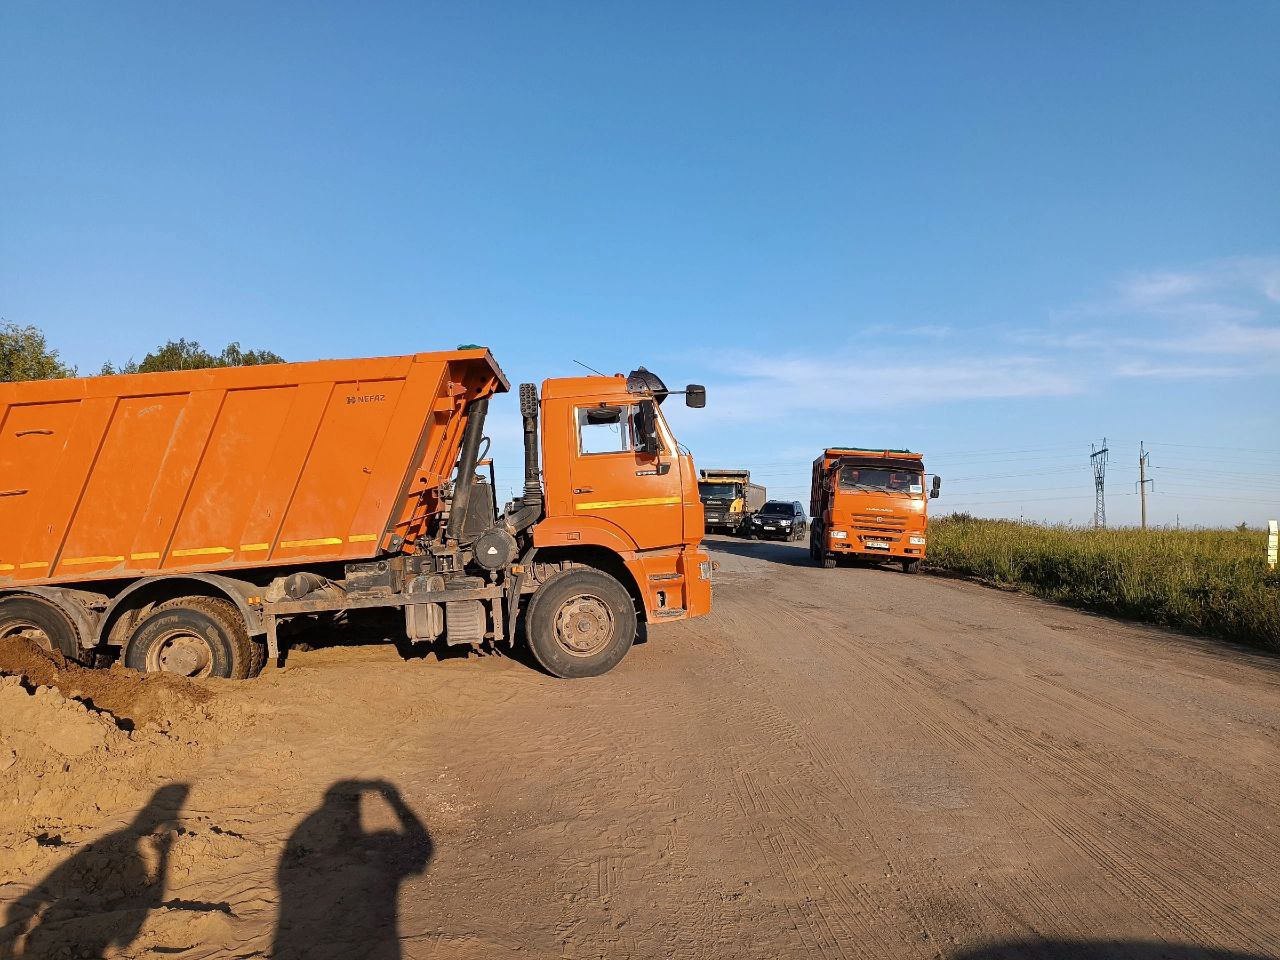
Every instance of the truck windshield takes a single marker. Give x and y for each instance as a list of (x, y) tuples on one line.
[(717, 489), (881, 480)]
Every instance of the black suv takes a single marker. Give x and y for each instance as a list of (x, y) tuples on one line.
[(780, 520)]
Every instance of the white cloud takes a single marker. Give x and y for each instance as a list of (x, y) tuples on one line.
[(1214, 321), (759, 387), (1144, 368), (1156, 288), (1221, 309), (1228, 278)]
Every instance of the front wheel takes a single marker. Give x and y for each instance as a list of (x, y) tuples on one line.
[(910, 566), (580, 623), (820, 556)]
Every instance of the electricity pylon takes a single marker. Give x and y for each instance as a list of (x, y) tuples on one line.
[(1099, 460)]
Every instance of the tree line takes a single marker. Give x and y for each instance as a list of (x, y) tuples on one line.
[(25, 354)]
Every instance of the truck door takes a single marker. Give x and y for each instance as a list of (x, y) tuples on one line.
[(613, 479)]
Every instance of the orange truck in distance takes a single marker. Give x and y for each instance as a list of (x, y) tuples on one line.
[(178, 519), (869, 505)]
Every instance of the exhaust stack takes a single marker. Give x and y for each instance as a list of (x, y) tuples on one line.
[(466, 468), (532, 470)]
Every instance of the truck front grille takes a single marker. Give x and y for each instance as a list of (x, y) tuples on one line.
[(882, 527)]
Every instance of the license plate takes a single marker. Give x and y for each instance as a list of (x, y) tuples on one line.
[(875, 545), (770, 526)]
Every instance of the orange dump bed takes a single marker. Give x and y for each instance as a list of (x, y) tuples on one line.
[(129, 476)]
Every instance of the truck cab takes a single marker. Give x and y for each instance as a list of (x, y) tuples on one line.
[(619, 486), (871, 505), (729, 500)]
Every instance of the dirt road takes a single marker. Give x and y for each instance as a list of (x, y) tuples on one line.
[(835, 763)]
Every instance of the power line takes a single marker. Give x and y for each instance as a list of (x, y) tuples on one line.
[(1007, 476), (992, 503), (1205, 446)]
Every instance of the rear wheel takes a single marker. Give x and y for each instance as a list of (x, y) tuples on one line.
[(40, 621), (580, 623), (194, 637)]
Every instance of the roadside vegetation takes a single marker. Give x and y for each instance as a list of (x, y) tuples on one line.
[(25, 354), (1212, 582)]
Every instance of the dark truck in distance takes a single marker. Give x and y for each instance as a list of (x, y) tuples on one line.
[(729, 500)]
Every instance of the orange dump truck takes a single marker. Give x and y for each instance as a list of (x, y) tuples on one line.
[(177, 519), (869, 504)]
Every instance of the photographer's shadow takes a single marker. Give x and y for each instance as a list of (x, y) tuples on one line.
[(340, 886), (99, 899)]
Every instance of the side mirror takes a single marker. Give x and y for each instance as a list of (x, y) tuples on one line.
[(647, 428), (695, 395), (937, 488)]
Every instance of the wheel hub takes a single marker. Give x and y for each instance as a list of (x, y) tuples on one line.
[(584, 625), (181, 652)]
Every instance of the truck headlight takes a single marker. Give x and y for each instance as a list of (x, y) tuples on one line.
[(918, 541), (839, 535)]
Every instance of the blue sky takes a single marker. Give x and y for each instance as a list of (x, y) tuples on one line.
[(994, 232)]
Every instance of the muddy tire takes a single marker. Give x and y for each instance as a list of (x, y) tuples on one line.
[(822, 558), (194, 637), (40, 621), (910, 566), (580, 623)]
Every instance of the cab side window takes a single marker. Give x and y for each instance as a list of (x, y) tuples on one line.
[(608, 429)]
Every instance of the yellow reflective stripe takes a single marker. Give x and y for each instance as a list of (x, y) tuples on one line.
[(76, 561), (321, 542), (607, 504), (202, 552), (144, 556), (6, 566), (251, 547), (34, 565), (363, 538)]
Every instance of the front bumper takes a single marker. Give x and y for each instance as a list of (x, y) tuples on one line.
[(866, 545), (675, 584), (778, 533), (722, 521)]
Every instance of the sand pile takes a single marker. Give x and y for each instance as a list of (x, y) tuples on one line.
[(133, 698), (78, 744)]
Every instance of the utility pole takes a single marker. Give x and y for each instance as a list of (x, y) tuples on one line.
[(1098, 458), (1143, 459)]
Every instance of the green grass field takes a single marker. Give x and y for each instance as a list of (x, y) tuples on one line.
[(1212, 582)]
